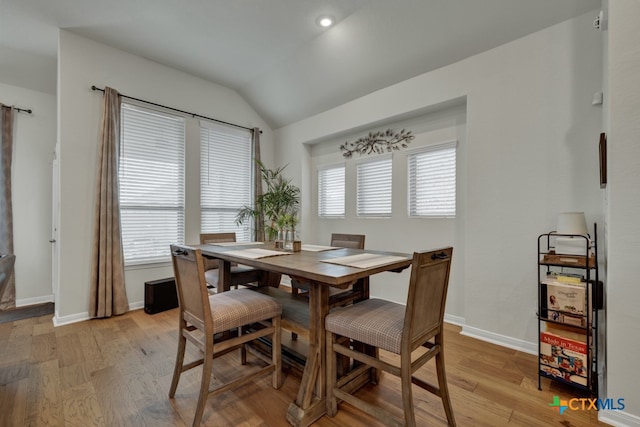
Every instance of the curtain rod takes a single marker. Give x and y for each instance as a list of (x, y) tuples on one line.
[(194, 115), (21, 110)]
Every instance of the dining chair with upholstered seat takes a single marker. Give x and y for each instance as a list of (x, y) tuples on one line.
[(398, 329), (239, 274), (210, 321)]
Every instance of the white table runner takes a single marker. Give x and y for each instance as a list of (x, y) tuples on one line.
[(317, 248), (255, 253), (234, 243), (364, 260)]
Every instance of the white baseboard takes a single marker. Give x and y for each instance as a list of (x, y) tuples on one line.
[(454, 320), (72, 318), (619, 418), (80, 317), (136, 305), (35, 300), (502, 340)]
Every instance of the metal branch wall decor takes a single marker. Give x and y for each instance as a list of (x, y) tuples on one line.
[(377, 143)]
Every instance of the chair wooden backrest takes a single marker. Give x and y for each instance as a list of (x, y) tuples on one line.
[(354, 241), (211, 264), (217, 238), (424, 315), (188, 267), (339, 240), (6, 270)]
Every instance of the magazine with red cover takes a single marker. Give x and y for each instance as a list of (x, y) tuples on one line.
[(563, 357)]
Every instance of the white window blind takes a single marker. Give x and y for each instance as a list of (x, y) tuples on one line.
[(151, 184), (432, 181), (226, 178), (373, 188), (331, 192)]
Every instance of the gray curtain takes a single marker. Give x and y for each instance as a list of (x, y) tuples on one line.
[(108, 294), (8, 297), (257, 185)]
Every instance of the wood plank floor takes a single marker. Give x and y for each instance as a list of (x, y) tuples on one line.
[(116, 372)]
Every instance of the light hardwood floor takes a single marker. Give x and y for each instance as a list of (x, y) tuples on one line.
[(116, 372)]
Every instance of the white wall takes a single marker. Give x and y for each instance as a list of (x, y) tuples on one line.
[(399, 233), (34, 142), (83, 63), (531, 152), (623, 234)]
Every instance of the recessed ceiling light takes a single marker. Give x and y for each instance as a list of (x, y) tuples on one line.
[(325, 21)]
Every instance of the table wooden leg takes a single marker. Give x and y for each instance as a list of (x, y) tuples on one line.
[(224, 276), (310, 402)]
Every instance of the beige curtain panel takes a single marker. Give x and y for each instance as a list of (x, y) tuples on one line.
[(108, 295), (8, 296), (257, 185)]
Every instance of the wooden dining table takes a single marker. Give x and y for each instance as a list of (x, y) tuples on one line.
[(308, 266)]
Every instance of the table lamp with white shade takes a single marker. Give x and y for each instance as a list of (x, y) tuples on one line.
[(576, 224)]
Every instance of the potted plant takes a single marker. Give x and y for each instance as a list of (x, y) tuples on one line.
[(277, 206)]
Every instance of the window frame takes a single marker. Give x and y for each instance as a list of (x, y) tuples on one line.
[(179, 208), (411, 181), (323, 168), (244, 232), (388, 157)]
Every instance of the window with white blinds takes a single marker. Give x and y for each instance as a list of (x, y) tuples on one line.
[(373, 188), (331, 191), (151, 184), (226, 178), (432, 181)]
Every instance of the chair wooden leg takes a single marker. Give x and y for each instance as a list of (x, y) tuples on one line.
[(243, 349), (369, 350), (204, 388), (343, 363), (276, 352), (331, 402), (177, 370), (407, 396), (444, 389), (376, 374)]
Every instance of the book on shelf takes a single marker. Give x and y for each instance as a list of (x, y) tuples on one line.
[(564, 355), (566, 318), (568, 298), (570, 278)]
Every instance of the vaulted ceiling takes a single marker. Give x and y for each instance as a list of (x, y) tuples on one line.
[(272, 51)]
